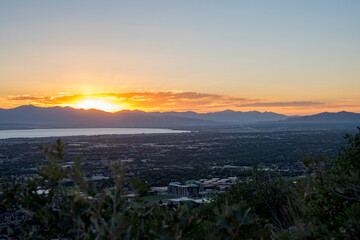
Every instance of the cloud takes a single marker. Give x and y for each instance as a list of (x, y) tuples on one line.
[(169, 101), (281, 104), (24, 98), (148, 101)]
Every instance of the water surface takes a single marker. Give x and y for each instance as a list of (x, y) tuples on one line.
[(64, 132)]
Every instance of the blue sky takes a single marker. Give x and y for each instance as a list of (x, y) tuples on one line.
[(269, 50)]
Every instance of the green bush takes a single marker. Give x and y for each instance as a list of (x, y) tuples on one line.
[(274, 200), (52, 210), (332, 193), (324, 205)]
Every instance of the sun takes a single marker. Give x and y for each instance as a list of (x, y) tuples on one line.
[(99, 105)]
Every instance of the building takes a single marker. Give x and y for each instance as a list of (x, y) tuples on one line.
[(180, 190)]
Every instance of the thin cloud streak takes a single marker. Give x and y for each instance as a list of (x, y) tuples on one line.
[(281, 104), (148, 101), (24, 98), (163, 101)]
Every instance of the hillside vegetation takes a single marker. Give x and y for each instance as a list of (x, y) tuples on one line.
[(324, 205)]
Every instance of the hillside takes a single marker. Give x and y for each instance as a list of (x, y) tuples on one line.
[(29, 116), (57, 117), (326, 117)]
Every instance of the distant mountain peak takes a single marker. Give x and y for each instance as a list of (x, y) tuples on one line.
[(27, 107), (228, 111), (327, 117), (67, 116)]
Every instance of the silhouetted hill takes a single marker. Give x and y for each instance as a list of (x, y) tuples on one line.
[(233, 117), (54, 117), (344, 121), (29, 116), (326, 117)]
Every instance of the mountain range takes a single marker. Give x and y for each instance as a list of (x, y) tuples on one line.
[(326, 117), (28, 116)]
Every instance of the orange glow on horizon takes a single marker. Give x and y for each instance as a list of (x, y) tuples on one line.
[(180, 101), (99, 105)]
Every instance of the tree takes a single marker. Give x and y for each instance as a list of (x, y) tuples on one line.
[(332, 193), (47, 209)]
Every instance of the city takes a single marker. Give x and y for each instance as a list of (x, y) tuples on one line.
[(161, 160)]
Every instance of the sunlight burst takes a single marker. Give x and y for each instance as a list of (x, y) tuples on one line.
[(99, 105)]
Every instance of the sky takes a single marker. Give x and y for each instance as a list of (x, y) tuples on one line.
[(291, 57)]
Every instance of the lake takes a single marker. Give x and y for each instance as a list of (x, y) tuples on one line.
[(65, 132)]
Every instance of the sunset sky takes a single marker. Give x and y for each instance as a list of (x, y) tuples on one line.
[(291, 57)]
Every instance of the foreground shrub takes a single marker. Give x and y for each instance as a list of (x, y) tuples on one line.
[(324, 205), (47, 209), (332, 194)]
